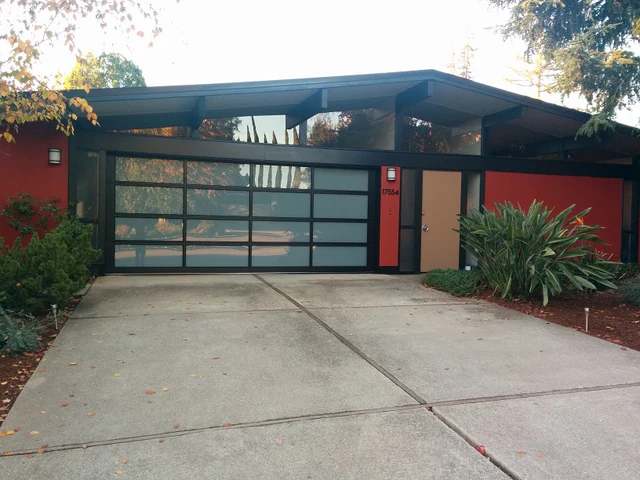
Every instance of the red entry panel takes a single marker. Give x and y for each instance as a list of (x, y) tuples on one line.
[(603, 195), (24, 168), (389, 219)]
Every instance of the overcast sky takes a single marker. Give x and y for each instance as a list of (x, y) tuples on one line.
[(211, 41)]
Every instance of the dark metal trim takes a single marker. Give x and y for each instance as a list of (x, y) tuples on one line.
[(313, 104), (635, 212), (504, 116), (464, 197), (414, 95), (175, 148)]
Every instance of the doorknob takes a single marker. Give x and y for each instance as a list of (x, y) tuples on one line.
[(425, 228)]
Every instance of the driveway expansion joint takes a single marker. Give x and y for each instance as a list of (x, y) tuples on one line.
[(350, 345)]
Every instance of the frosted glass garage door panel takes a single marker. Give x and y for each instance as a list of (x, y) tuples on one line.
[(340, 179), (279, 256), (340, 206), (338, 232), (148, 256), (217, 256), (340, 256)]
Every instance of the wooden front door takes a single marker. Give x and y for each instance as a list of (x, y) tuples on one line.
[(440, 245)]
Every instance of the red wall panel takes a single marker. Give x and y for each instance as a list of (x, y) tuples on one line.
[(24, 168), (389, 219), (603, 195)]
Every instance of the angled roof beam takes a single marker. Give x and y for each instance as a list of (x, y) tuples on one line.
[(199, 113), (505, 116), (414, 95), (312, 105)]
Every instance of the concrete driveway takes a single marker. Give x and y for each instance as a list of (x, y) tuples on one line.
[(319, 376)]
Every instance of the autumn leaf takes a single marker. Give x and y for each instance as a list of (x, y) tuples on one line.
[(64, 404), (91, 414), (177, 425), (150, 392), (119, 472), (226, 424), (124, 461), (521, 453), (194, 374), (43, 448), (165, 389), (73, 364), (116, 374), (34, 432)]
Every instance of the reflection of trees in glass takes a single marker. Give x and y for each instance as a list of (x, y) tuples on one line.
[(219, 128), (148, 229), (424, 137), (282, 176), (148, 170), (130, 199), (218, 230), (353, 129), (217, 173)]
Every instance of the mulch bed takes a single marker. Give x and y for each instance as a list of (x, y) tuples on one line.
[(16, 370), (609, 317)]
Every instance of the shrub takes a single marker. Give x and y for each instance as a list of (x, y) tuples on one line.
[(460, 283), (630, 291), (533, 254), (624, 271), (49, 270), (18, 333), (28, 216)]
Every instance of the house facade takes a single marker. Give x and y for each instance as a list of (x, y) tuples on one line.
[(358, 173)]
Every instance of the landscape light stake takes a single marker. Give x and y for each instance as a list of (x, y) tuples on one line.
[(586, 320), (54, 309)]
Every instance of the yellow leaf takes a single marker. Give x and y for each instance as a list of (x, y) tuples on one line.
[(87, 89), (123, 461), (116, 374), (8, 137), (119, 472), (91, 414), (34, 432), (521, 453), (10, 119)]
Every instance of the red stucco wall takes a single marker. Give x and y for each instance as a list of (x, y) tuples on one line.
[(24, 168), (389, 219), (603, 195)]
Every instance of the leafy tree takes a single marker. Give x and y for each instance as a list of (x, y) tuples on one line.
[(591, 43), (537, 73), (109, 70), (467, 51), (28, 28)]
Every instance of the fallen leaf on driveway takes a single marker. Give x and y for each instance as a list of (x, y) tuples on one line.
[(216, 358), (91, 414), (540, 455), (226, 424), (43, 448), (123, 461), (521, 453), (481, 449), (64, 404), (34, 432), (265, 348), (119, 472), (481, 339), (93, 366), (164, 389), (116, 374), (279, 442), (150, 392), (177, 425), (131, 333), (73, 364), (194, 374), (7, 454), (43, 412)]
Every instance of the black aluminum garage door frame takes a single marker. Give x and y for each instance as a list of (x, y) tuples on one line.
[(372, 221)]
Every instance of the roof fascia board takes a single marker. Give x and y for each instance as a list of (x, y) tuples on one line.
[(313, 104)]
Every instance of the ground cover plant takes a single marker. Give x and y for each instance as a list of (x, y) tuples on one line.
[(459, 283)]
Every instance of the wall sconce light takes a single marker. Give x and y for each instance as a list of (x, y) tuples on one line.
[(55, 156), (391, 174)]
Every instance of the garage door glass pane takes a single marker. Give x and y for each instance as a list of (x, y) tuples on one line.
[(340, 256), (153, 170), (280, 256), (279, 176), (340, 206), (339, 232), (164, 229), (280, 232), (217, 256), (340, 179), (217, 202), (217, 231), (148, 200), (216, 173), (276, 204), (148, 256)]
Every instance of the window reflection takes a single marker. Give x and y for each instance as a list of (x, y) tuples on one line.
[(281, 204), (352, 129), (280, 231), (152, 170), (280, 256), (427, 136), (148, 229), (217, 256), (218, 173), (217, 202), (217, 231), (279, 176), (130, 199), (148, 256)]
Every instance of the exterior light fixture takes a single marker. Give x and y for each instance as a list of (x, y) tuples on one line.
[(391, 174), (55, 156)]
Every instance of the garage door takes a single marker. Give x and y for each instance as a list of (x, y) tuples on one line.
[(187, 215)]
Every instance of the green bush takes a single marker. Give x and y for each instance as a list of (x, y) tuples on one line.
[(533, 254), (624, 271), (630, 291), (460, 283), (18, 333), (49, 270)]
